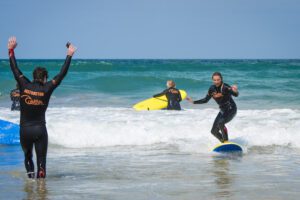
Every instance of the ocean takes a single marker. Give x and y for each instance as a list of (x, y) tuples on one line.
[(100, 148)]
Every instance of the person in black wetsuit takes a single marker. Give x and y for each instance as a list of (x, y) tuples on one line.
[(173, 96), (222, 94), (15, 98), (34, 100)]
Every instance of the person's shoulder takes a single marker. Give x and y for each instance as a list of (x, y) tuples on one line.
[(226, 85), (50, 83), (212, 88), (177, 90), (15, 90), (174, 90)]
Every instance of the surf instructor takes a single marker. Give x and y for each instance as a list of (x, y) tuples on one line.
[(222, 93), (34, 100), (173, 96)]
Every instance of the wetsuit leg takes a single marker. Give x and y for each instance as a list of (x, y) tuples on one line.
[(223, 117), (41, 146), (224, 133), (228, 116), (26, 141), (178, 107), (174, 105), (215, 129), (35, 135)]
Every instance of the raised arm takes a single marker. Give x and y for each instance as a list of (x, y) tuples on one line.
[(63, 72), (20, 78)]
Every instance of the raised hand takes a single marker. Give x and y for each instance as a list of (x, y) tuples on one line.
[(189, 99), (71, 49), (234, 88), (12, 42)]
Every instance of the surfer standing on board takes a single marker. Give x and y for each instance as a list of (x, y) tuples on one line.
[(222, 93), (173, 96), (34, 99)]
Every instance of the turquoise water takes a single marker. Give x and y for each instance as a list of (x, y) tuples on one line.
[(100, 148), (263, 84)]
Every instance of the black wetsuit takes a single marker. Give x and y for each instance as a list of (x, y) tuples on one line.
[(173, 96), (15, 100), (227, 107), (34, 102)]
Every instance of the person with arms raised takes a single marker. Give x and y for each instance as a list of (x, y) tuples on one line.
[(34, 100)]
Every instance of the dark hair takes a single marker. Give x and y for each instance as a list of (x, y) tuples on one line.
[(217, 74), (40, 73)]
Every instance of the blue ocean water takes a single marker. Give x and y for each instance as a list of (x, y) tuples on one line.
[(263, 84), (98, 93), (100, 148)]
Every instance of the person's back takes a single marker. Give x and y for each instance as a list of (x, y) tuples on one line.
[(173, 96), (34, 101)]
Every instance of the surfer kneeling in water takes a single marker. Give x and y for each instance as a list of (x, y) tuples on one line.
[(34, 101), (15, 98), (173, 96), (222, 94)]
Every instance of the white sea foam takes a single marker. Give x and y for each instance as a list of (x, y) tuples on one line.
[(189, 130)]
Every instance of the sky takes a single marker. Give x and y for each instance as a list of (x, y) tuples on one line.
[(136, 29)]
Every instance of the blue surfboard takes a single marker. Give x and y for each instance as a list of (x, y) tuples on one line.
[(228, 147), (9, 132)]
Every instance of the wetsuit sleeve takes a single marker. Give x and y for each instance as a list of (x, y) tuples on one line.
[(63, 72), (20, 78), (227, 90), (205, 99), (161, 94), (236, 94)]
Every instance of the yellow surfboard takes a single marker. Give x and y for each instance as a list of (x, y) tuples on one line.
[(157, 103)]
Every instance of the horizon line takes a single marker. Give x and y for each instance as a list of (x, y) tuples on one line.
[(155, 58)]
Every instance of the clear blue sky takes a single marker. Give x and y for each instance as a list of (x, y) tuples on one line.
[(153, 28)]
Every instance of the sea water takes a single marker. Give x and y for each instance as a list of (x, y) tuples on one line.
[(100, 148)]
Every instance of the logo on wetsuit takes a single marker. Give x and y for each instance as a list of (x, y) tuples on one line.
[(173, 91), (30, 101)]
